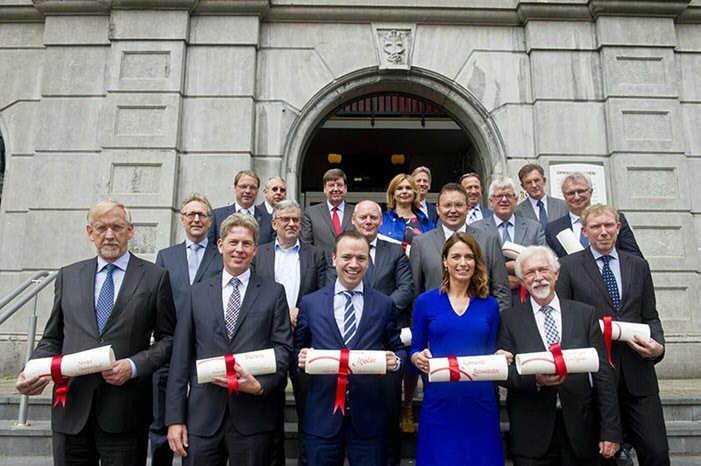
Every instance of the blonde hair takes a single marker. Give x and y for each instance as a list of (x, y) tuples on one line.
[(597, 209), (239, 220), (394, 185)]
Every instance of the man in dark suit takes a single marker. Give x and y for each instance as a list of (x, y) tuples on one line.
[(348, 315), (246, 184), (510, 227), (275, 190), (422, 176), (194, 260), (425, 258), (538, 206), (619, 284), (577, 189), (301, 269), (322, 223), (554, 421), (390, 274), (473, 187), (115, 299), (232, 313)]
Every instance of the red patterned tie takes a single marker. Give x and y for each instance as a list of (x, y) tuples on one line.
[(336, 221)]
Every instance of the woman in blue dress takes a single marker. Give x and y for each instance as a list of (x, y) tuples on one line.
[(459, 422)]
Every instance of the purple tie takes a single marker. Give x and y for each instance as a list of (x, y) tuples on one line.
[(233, 307)]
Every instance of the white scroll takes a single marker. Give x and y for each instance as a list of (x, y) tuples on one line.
[(73, 365), (321, 362), (577, 361), (511, 250), (405, 336), (625, 331), (470, 368), (254, 362), (569, 241)]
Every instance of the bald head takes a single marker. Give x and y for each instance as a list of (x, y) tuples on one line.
[(367, 218)]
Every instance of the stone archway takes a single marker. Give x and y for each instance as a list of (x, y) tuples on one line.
[(464, 108)]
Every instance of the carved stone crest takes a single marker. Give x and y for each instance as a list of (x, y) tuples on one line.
[(394, 45)]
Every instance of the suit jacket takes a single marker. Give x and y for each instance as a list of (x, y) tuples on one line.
[(526, 232), (144, 307), (432, 212), (377, 330), (264, 219), (427, 266), (174, 259), (581, 280), (625, 241), (263, 323), (391, 274), (556, 208), (590, 413), (312, 267), (317, 226)]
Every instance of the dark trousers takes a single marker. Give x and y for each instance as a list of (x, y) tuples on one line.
[(161, 454), (300, 387), (559, 453), (393, 395), (93, 446), (643, 426), (361, 451)]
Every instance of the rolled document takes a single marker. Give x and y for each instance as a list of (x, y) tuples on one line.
[(405, 336), (469, 368), (625, 331), (254, 362), (569, 241), (321, 362), (73, 365), (511, 250), (577, 361)]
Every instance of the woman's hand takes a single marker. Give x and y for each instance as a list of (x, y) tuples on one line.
[(420, 360)]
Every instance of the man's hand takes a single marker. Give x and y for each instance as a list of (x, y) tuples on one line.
[(294, 312), (246, 382), (509, 356), (119, 374), (608, 449), (420, 360), (646, 348), (177, 438), (302, 358), (548, 380), (514, 283), (33, 386), (392, 359)]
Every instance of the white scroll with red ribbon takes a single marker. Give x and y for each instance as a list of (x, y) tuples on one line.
[(577, 361), (320, 362), (468, 368), (260, 362), (62, 367), (626, 331), (569, 241), (405, 336), (511, 250)]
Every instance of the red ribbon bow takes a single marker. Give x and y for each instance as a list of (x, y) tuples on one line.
[(342, 382), (231, 381), (60, 381), (560, 365), (608, 335), (454, 370)]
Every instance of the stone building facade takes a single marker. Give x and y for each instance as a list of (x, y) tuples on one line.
[(148, 100)]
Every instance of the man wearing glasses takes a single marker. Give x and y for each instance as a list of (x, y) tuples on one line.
[(192, 261), (577, 189)]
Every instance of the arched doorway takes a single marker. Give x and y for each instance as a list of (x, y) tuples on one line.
[(476, 144)]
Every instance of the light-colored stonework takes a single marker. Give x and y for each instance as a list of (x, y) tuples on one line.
[(127, 99)]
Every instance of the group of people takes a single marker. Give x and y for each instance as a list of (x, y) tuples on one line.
[(338, 276)]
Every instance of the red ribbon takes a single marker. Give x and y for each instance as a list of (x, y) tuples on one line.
[(454, 370), (342, 382), (608, 334), (522, 293), (560, 365), (60, 381), (231, 381)]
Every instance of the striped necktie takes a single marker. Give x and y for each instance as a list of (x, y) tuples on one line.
[(349, 324)]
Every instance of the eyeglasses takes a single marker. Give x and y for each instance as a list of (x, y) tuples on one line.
[(289, 219), (247, 187), (508, 197), (456, 206), (116, 229), (542, 271), (577, 192), (192, 215)]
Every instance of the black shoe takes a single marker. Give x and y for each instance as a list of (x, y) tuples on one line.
[(623, 458)]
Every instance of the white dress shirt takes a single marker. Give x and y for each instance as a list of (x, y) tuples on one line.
[(536, 209), (576, 225), (540, 318), (242, 210), (447, 232), (227, 288), (287, 270), (339, 304)]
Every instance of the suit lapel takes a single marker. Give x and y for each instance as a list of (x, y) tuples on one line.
[(303, 265), (590, 267), (379, 260), (216, 305), (519, 231), (265, 261), (439, 239), (347, 215), (326, 215), (530, 327), (568, 327), (209, 253), (87, 291), (132, 278), (368, 306), (626, 276), (328, 314)]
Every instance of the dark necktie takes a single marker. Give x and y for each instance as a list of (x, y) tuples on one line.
[(610, 280), (542, 214), (105, 300), (233, 307), (349, 324), (371, 266)]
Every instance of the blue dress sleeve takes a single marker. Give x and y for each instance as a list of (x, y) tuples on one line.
[(419, 326)]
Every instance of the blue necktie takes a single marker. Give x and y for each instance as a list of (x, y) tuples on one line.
[(193, 261), (349, 325), (551, 333), (105, 300), (542, 214), (472, 217), (505, 236), (610, 280), (371, 266), (583, 240)]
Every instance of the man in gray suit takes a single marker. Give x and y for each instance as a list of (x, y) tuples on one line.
[(537, 206), (231, 313), (425, 258), (322, 223), (115, 299), (510, 227), (192, 261)]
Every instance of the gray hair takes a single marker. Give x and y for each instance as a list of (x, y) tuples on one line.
[(196, 197), (267, 182), (597, 209), (501, 183), (422, 169), (286, 204), (531, 251), (105, 206), (239, 220), (576, 176)]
